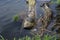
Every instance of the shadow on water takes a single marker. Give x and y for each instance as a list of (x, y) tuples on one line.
[(8, 28), (11, 29)]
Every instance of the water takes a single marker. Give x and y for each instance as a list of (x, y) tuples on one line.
[(9, 8)]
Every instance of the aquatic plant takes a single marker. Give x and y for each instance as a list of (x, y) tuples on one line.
[(14, 38), (58, 2), (55, 2), (52, 2), (58, 5), (27, 38), (49, 37), (16, 18), (36, 37), (2, 38)]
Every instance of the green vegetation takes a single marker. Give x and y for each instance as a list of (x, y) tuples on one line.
[(49, 37), (58, 2), (1, 38), (58, 5), (36, 37), (16, 18), (55, 2)]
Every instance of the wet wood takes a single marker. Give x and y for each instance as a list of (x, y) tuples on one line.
[(29, 21)]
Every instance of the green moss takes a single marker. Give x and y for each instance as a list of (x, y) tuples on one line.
[(16, 18)]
